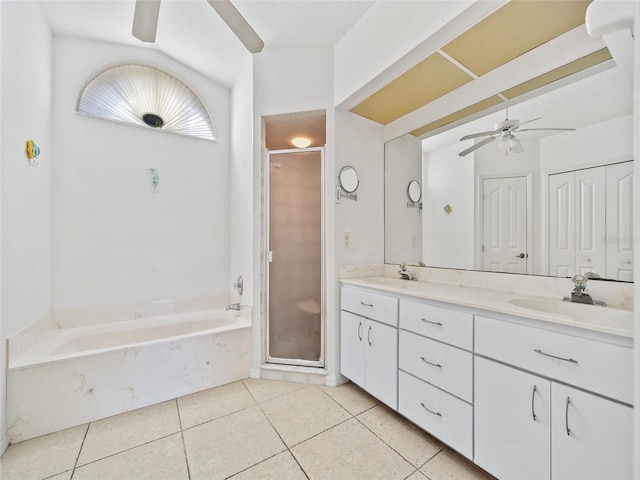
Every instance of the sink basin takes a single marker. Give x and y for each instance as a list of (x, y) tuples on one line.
[(577, 311), (392, 282)]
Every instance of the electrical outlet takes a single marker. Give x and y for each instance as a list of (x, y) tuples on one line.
[(414, 240), (346, 240)]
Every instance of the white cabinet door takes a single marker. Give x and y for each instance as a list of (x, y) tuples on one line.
[(561, 225), (512, 422), (381, 371), (590, 221), (352, 347), (619, 239), (591, 436)]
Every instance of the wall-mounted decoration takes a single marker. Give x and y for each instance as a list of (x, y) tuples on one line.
[(155, 179), (414, 192), (448, 209), (348, 183), (146, 96), (33, 151)]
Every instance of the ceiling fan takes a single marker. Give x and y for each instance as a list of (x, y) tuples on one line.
[(504, 132), (145, 22)]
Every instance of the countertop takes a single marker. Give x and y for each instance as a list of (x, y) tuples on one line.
[(589, 317)]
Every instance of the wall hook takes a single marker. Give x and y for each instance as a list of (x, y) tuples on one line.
[(33, 151), (155, 179)]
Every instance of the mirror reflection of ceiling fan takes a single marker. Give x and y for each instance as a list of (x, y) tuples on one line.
[(504, 132), (145, 22)]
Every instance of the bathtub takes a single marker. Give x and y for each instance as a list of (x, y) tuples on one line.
[(63, 377)]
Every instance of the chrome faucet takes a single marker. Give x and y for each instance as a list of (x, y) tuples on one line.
[(578, 294), (233, 306), (404, 273)]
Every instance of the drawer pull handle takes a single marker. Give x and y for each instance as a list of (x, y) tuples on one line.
[(429, 321), (430, 363), (533, 403), (430, 411), (360, 331), (571, 360), (566, 416), (366, 304), (369, 335)]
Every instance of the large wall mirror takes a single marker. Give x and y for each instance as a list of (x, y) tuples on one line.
[(562, 206)]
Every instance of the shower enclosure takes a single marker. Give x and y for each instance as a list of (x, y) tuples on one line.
[(295, 306)]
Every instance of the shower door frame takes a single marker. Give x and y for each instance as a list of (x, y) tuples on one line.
[(266, 261)]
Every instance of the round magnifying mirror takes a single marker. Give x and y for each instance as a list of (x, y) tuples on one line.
[(348, 179), (414, 191)]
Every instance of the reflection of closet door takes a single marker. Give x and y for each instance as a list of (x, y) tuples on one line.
[(590, 221), (504, 224), (619, 236), (561, 225)]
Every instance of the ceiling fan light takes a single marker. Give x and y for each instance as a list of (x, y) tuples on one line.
[(503, 143), (515, 146)]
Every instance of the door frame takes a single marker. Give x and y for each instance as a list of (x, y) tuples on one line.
[(265, 285), (478, 232)]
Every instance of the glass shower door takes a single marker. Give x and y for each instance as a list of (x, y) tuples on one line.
[(295, 303)]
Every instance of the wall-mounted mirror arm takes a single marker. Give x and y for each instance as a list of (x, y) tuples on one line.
[(348, 183), (414, 193)]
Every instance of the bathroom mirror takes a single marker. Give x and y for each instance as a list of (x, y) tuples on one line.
[(552, 164), (348, 179), (414, 192)]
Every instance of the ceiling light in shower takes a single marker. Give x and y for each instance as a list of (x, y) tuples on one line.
[(146, 96), (301, 142)]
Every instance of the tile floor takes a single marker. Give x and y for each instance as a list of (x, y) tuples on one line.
[(252, 429)]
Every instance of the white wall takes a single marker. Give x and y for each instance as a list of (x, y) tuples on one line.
[(402, 225), (448, 179), (114, 241), (25, 95), (241, 188)]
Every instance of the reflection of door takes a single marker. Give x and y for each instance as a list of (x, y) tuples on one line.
[(504, 224), (295, 312)]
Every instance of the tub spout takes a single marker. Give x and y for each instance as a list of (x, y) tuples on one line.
[(233, 306)]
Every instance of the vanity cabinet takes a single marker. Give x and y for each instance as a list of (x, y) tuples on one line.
[(528, 420), (435, 386), (369, 342)]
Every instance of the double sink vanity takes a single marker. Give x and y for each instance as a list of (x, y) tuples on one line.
[(524, 386)]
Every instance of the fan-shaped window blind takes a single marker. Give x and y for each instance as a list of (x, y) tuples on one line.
[(146, 96)]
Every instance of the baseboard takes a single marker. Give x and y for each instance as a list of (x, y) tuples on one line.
[(255, 373), (4, 444)]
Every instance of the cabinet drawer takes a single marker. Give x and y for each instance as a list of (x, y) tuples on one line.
[(371, 305), (441, 365), (449, 326), (447, 417), (596, 366)]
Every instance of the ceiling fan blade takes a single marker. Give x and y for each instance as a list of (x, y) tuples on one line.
[(238, 25), (479, 134), (145, 20), (476, 146), (528, 121), (557, 129)]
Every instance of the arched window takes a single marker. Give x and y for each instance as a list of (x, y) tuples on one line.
[(146, 96)]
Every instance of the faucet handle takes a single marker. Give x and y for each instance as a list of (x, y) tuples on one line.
[(580, 281)]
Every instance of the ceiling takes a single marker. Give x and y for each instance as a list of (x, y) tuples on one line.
[(191, 32)]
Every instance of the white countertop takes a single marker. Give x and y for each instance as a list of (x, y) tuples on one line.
[(590, 317)]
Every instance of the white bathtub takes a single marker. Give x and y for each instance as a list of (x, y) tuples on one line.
[(65, 377)]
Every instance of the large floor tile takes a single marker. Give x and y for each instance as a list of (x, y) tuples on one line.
[(449, 465), (350, 451), (418, 476), (213, 403), (265, 390), (281, 467), (43, 456), (60, 476), (303, 414), (159, 460), (127, 430), (230, 444), (413, 443), (352, 398)]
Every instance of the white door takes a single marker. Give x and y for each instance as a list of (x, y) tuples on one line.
[(590, 221), (562, 225), (619, 237), (587, 430), (381, 369), (352, 347), (504, 224), (512, 422)]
